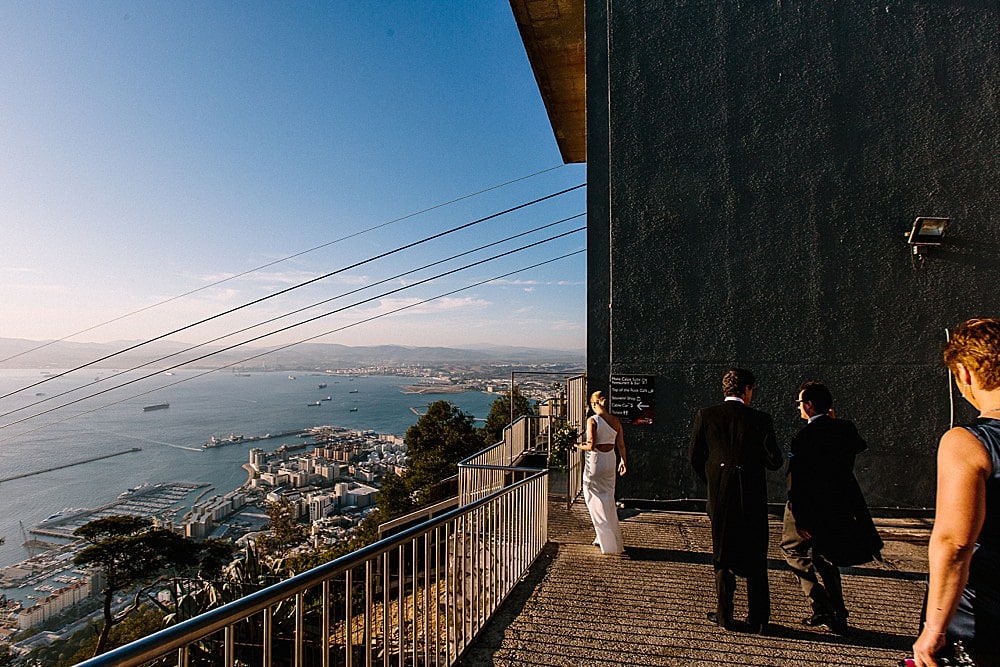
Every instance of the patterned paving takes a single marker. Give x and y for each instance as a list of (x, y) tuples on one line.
[(580, 608)]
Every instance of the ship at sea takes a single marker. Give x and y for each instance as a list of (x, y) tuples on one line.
[(158, 406), (322, 385), (231, 439)]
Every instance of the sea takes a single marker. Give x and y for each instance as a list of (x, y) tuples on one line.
[(201, 405)]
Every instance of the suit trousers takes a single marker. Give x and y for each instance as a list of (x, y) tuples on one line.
[(809, 567), (758, 595)]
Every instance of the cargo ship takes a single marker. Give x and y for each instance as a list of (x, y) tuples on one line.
[(158, 406)]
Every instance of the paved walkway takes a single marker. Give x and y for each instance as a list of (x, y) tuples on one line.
[(577, 607)]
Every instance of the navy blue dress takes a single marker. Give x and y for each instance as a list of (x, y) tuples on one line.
[(977, 620)]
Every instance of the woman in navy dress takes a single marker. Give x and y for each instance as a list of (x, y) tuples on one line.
[(963, 596)]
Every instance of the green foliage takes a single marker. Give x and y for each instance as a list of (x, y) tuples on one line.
[(145, 621), (441, 438), (132, 553), (80, 646), (500, 416), (394, 498), (564, 436), (286, 531)]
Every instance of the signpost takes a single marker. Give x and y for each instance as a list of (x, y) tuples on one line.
[(633, 398)]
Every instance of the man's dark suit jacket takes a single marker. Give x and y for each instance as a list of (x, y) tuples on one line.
[(731, 445), (824, 496)]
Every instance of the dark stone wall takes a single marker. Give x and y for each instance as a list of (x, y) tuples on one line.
[(752, 175)]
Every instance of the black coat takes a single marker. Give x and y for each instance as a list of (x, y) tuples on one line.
[(731, 445), (825, 497)]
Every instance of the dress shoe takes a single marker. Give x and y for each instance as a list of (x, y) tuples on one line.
[(714, 618), (838, 625), (818, 620), (835, 623)]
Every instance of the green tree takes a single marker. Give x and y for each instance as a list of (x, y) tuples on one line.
[(442, 437), (131, 553), (500, 415), (142, 623), (6, 657), (286, 531), (394, 498)]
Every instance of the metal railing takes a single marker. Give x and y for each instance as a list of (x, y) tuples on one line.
[(576, 414), (417, 598), (493, 468)]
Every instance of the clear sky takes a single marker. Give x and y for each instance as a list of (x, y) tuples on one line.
[(154, 148)]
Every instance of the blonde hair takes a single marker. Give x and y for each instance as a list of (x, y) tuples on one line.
[(976, 345), (599, 398)]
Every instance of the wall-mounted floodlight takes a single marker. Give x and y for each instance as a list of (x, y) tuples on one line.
[(927, 233)]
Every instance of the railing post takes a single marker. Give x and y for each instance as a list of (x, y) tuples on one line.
[(325, 627)]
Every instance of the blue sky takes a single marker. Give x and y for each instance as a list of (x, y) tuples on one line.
[(151, 149)]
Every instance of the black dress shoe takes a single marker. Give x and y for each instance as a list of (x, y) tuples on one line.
[(818, 620), (839, 626), (714, 618)]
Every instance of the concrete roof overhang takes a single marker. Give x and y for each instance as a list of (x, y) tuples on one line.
[(554, 36)]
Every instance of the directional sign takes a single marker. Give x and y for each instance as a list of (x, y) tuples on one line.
[(633, 398)]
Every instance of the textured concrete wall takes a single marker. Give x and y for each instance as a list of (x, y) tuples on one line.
[(751, 177)]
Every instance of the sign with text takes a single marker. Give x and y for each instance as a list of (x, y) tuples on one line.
[(632, 398)]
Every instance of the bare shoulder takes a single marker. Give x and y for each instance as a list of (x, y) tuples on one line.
[(960, 449), (614, 421)]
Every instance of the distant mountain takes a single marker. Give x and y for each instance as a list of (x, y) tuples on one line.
[(20, 353)]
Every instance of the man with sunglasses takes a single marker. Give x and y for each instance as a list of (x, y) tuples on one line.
[(826, 522)]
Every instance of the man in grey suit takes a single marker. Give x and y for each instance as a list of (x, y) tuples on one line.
[(731, 446)]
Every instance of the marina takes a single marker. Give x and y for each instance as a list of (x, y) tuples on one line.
[(155, 501)]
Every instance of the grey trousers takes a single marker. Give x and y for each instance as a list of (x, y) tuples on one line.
[(809, 567)]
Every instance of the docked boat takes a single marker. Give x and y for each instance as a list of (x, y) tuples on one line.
[(158, 406), (231, 439)]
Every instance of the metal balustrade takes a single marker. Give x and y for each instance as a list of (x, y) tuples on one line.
[(576, 414), (416, 598), (492, 469)]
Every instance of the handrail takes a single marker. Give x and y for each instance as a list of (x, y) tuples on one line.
[(576, 412), (484, 550)]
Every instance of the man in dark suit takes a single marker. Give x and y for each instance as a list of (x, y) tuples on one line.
[(731, 445), (826, 521)]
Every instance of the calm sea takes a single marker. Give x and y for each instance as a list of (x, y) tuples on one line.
[(214, 404)]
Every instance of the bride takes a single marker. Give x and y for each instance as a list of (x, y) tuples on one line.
[(604, 437)]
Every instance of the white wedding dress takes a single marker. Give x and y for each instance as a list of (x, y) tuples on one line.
[(599, 473)]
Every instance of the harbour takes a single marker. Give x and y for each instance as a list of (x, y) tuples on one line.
[(264, 405), (154, 501)]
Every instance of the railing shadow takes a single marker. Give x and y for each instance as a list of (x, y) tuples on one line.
[(489, 638)]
